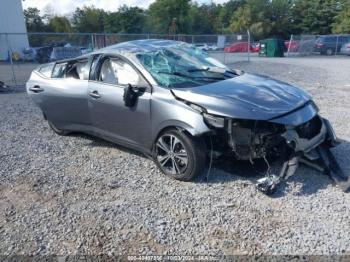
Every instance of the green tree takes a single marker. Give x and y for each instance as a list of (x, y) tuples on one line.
[(60, 24), (279, 13), (162, 12), (314, 16), (34, 21), (131, 19), (253, 15), (197, 21), (242, 19), (88, 19), (227, 11), (342, 20), (112, 22), (125, 20), (203, 19)]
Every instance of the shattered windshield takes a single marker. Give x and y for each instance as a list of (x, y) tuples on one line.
[(183, 66)]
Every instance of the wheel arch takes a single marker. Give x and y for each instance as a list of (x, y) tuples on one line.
[(182, 126)]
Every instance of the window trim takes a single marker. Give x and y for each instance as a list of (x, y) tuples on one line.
[(95, 72), (88, 60), (37, 70), (53, 69)]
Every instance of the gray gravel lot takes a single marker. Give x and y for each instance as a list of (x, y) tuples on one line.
[(82, 195)]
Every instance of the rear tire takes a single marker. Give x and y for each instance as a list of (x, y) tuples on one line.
[(57, 130), (179, 155)]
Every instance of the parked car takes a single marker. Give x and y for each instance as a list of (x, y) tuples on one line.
[(29, 54), (329, 45), (212, 47), (203, 47), (292, 46), (345, 49), (255, 48), (240, 47), (182, 108)]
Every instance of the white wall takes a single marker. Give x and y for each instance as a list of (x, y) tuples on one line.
[(12, 21)]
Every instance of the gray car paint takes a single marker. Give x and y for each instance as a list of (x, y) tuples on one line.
[(67, 103), (113, 120), (246, 97)]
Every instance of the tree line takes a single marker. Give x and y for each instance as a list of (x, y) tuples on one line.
[(264, 18)]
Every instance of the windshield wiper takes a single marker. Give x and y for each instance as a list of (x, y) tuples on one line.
[(218, 70), (191, 77)]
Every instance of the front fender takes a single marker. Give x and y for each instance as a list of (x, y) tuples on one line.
[(193, 130), (166, 112)]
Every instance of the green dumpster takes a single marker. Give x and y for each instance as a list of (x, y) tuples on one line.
[(272, 47), (263, 48)]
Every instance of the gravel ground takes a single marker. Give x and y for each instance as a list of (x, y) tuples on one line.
[(82, 195)]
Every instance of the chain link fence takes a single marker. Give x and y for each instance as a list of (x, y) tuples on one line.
[(313, 45), (21, 53)]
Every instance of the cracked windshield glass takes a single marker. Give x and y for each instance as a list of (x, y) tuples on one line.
[(183, 66)]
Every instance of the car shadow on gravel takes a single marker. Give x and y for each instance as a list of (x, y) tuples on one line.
[(99, 142), (228, 170)]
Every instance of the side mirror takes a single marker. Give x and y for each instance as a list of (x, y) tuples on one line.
[(131, 93)]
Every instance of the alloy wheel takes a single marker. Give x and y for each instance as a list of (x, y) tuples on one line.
[(171, 154)]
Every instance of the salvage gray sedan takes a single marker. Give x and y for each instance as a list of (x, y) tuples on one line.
[(183, 108)]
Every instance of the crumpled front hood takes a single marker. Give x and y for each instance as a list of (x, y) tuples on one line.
[(246, 97)]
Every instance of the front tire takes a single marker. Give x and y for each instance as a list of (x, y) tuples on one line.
[(329, 52), (178, 155), (57, 130)]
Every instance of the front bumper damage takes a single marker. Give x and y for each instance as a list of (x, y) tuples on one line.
[(314, 152), (308, 143)]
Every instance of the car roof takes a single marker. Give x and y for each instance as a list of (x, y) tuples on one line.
[(130, 47), (146, 45)]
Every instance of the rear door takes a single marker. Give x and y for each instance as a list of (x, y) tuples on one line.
[(38, 83), (111, 117), (63, 96)]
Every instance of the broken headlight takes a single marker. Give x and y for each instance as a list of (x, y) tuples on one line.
[(211, 120), (214, 121)]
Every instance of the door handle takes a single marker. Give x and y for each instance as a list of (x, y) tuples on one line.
[(94, 94), (36, 89)]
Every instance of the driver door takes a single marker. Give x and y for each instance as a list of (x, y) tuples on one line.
[(110, 117)]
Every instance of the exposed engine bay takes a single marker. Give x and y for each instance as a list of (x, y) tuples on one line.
[(308, 143)]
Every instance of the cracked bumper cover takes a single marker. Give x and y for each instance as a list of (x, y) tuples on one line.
[(318, 144), (306, 145)]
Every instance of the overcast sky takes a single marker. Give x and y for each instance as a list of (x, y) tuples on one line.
[(67, 6)]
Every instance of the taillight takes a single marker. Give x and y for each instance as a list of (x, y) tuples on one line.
[(348, 46), (319, 45)]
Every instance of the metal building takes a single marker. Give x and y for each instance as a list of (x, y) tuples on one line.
[(12, 22)]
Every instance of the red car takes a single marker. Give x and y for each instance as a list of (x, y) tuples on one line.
[(241, 47), (294, 45)]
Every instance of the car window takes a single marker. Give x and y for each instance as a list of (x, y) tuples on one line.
[(345, 39), (106, 73), (59, 70), (83, 70), (94, 66), (46, 70), (78, 69), (330, 39), (118, 72)]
